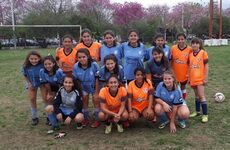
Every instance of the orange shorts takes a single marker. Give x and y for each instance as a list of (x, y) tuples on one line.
[(140, 107)]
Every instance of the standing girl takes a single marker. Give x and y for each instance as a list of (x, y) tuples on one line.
[(198, 77), (111, 67), (110, 47), (156, 66), (86, 70), (169, 100), (180, 53), (112, 101), (31, 69), (88, 43), (159, 41), (140, 97), (66, 56), (133, 53)]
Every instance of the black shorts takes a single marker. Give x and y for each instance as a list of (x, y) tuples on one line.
[(54, 88)]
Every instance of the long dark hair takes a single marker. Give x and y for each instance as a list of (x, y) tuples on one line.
[(199, 41), (181, 34), (67, 36), (51, 58), (114, 76), (76, 83), (133, 30), (142, 70), (85, 30), (110, 32), (114, 58), (159, 35), (87, 53), (27, 61), (164, 60)]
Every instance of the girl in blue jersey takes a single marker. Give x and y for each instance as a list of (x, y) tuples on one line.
[(67, 105), (111, 67), (86, 70), (159, 41), (156, 66), (51, 76), (168, 97), (110, 46), (31, 69), (133, 53)]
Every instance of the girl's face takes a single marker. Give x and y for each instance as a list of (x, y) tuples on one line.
[(195, 46), (48, 64), (82, 58), (181, 40), (34, 59), (133, 37), (110, 64), (109, 39), (68, 84), (157, 56), (139, 76), (86, 38), (113, 84), (67, 43), (160, 42), (168, 80)]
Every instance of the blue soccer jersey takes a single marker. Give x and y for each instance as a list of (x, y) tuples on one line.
[(173, 97), (166, 50), (103, 75), (87, 76), (55, 79), (32, 73), (116, 50), (133, 58)]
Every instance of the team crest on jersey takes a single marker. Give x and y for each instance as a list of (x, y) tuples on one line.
[(171, 96), (140, 52), (139, 99), (145, 90), (55, 78), (186, 55), (91, 73), (163, 93), (115, 52), (71, 60)]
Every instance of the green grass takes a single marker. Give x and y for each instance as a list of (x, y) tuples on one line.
[(17, 133)]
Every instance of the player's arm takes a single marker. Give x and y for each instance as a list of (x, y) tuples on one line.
[(104, 108), (122, 108), (172, 120), (206, 70)]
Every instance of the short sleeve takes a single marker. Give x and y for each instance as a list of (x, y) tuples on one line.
[(57, 53), (130, 90), (42, 77), (124, 94), (102, 95), (147, 68), (178, 100), (158, 91), (23, 71), (75, 69), (96, 69), (205, 57), (151, 90)]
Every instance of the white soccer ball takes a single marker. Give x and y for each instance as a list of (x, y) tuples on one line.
[(219, 97)]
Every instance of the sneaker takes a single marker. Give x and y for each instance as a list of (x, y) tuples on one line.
[(194, 114), (108, 128), (53, 129), (85, 122), (35, 121), (95, 124), (126, 124), (79, 126), (162, 126), (204, 118), (182, 124), (120, 128)]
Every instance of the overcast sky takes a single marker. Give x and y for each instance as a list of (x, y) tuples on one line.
[(170, 3)]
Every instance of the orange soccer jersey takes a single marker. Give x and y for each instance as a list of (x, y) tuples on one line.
[(197, 67), (94, 49), (66, 62), (140, 95), (180, 62), (113, 103)]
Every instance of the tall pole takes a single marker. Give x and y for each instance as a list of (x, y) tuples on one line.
[(13, 23), (220, 31), (210, 18), (182, 18)]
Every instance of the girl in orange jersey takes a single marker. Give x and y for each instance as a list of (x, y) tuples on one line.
[(140, 97), (198, 77), (87, 42), (66, 56), (112, 102), (179, 55)]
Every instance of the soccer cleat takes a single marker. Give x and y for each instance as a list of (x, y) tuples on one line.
[(108, 128), (194, 114), (95, 124), (162, 125), (120, 128), (85, 122), (79, 126), (35, 121), (204, 118), (182, 124), (53, 129)]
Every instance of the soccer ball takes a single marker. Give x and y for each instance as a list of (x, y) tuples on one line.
[(219, 97)]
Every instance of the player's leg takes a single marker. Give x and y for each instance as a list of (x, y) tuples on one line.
[(32, 92), (200, 90), (197, 103)]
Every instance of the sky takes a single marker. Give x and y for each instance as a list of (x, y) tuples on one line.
[(170, 3)]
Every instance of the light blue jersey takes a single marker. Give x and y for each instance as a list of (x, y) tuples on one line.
[(166, 50), (55, 79), (133, 58), (86, 76), (105, 50)]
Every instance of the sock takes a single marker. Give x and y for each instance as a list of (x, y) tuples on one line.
[(34, 113), (53, 119), (184, 94), (197, 103), (106, 122), (163, 118), (204, 107), (85, 113), (96, 112)]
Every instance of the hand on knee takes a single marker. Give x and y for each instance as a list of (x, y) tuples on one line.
[(59, 117), (79, 118)]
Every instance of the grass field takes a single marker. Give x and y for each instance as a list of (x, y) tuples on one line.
[(17, 133)]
